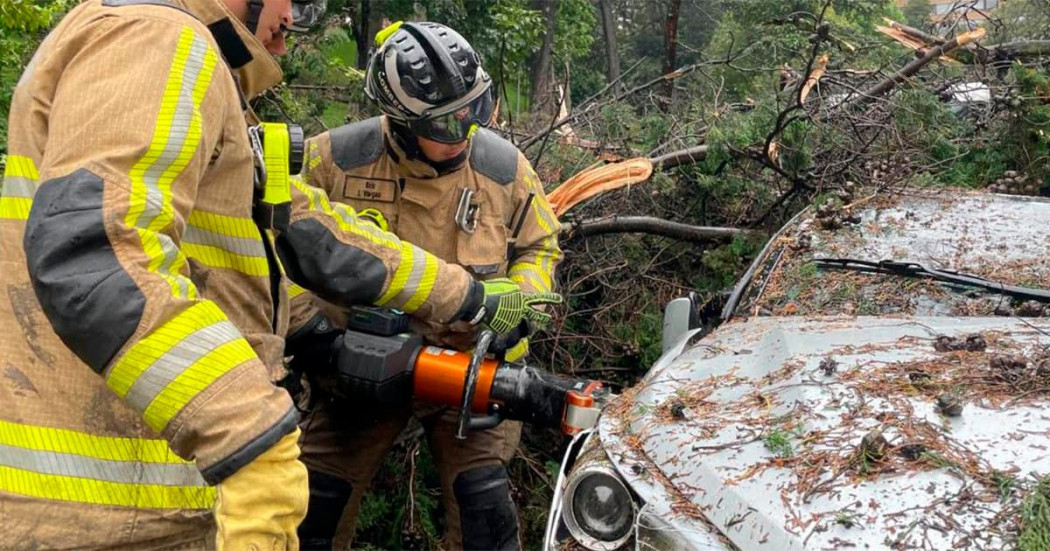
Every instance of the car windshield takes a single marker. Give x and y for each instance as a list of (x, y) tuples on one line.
[(923, 236)]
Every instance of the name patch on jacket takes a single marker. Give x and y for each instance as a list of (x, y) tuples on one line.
[(369, 189)]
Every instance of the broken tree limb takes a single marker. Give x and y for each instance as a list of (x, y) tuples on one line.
[(917, 34), (680, 157), (654, 226), (912, 68), (1022, 48), (814, 78)]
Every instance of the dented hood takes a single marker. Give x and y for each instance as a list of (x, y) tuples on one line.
[(824, 433)]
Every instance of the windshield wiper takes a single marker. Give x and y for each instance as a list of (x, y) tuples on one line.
[(915, 269)]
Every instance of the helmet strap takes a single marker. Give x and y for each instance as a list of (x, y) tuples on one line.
[(255, 8), (406, 140)]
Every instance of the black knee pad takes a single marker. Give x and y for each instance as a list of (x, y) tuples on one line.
[(328, 498), (487, 515)]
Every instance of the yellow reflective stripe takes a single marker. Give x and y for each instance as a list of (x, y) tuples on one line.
[(401, 276), (20, 178), (68, 465), (413, 281), (114, 448), (195, 379), (217, 257), (231, 226), (229, 242), (294, 290), (20, 166), (538, 279), (176, 137), (163, 371), (425, 285), (345, 217), (98, 492), (15, 208), (313, 155)]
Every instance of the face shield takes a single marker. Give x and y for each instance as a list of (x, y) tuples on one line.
[(454, 123), (307, 14)]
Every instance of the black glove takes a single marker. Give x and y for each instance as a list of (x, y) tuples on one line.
[(313, 346), (503, 343)]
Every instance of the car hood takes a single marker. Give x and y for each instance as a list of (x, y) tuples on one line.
[(792, 433)]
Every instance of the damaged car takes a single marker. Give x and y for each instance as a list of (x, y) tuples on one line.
[(879, 378)]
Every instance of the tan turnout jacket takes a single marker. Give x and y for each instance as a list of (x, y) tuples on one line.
[(140, 327), (361, 165)]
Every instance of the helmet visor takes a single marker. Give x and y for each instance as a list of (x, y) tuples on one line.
[(307, 14), (455, 126)]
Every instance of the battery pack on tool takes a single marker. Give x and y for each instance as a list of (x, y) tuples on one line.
[(374, 373), (384, 322)]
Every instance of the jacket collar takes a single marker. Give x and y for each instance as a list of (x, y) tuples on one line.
[(254, 68)]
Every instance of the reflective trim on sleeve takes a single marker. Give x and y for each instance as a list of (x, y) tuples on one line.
[(67, 465), (18, 188), (294, 290), (344, 216), (225, 242), (412, 282), (163, 371), (532, 275), (176, 137)]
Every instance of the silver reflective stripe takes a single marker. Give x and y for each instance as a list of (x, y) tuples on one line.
[(17, 186), (419, 265), (180, 126), (237, 245), (127, 472), (166, 368)]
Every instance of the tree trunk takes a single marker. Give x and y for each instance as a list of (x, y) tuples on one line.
[(368, 20), (670, 46), (609, 30), (540, 66), (362, 14)]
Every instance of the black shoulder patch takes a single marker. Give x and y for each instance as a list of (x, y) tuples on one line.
[(357, 144), (93, 305), (494, 157)]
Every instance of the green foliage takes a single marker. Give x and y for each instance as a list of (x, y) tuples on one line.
[(22, 26), (917, 13), (1035, 518), (778, 442)]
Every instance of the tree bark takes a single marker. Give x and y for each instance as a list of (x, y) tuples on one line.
[(670, 47), (540, 66), (911, 68), (681, 157), (609, 30), (654, 226), (362, 14)]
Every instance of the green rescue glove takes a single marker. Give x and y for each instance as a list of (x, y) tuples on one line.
[(504, 306)]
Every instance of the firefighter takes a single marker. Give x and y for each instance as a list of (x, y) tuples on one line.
[(142, 322), (428, 170)]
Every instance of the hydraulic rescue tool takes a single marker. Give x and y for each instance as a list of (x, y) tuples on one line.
[(379, 365)]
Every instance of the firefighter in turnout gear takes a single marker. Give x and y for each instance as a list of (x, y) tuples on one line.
[(430, 172), (143, 314)]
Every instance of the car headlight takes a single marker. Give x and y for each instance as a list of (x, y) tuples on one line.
[(598, 508)]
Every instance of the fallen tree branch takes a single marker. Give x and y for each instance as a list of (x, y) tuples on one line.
[(911, 68), (915, 33), (653, 226), (680, 157)]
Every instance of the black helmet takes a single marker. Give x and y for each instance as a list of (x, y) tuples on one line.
[(427, 77)]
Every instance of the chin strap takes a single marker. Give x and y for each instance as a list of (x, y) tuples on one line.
[(255, 8)]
